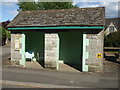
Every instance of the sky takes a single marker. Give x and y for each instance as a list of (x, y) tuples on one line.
[(8, 10)]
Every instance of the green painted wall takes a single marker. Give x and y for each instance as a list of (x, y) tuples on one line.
[(35, 42), (71, 47)]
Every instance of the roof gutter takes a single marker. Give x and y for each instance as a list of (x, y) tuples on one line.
[(60, 27)]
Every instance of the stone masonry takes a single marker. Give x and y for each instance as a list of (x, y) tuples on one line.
[(51, 50), (15, 54), (95, 46)]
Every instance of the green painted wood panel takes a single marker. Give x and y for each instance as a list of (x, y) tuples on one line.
[(59, 27)]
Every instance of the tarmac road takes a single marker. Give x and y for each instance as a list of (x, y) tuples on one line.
[(4, 55), (90, 80), (12, 86), (5, 52)]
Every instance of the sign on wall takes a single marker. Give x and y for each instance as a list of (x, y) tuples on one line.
[(99, 55), (17, 43)]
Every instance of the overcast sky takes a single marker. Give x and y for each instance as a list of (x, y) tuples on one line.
[(9, 9)]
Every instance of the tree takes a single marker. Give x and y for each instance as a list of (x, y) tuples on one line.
[(112, 40), (24, 6), (3, 34), (55, 5), (4, 24)]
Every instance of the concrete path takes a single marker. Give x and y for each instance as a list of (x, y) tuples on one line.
[(33, 65), (67, 68), (62, 67)]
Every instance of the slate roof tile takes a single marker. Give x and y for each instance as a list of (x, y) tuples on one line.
[(82, 16)]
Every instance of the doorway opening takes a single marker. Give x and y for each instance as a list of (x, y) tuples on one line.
[(34, 44), (71, 49)]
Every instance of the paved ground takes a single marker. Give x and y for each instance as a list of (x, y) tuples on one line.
[(111, 63), (107, 79), (13, 86), (6, 62), (61, 78), (34, 65), (62, 66), (5, 55)]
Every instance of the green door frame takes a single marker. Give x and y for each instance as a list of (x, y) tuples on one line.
[(58, 43), (22, 50), (85, 53)]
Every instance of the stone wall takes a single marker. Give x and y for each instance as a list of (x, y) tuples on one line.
[(95, 46), (15, 54), (51, 50)]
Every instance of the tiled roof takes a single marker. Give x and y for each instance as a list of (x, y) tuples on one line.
[(63, 17)]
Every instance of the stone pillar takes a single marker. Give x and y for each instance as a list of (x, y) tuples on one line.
[(51, 50), (18, 48), (94, 48), (15, 53)]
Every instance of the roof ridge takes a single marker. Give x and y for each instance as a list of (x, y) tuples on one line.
[(62, 9)]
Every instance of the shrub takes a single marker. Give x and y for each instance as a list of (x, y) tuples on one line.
[(8, 34), (2, 32), (4, 35), (112, 40)]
